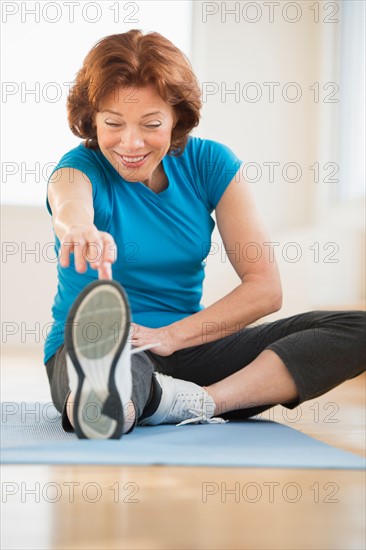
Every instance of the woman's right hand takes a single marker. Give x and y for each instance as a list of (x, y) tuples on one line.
[(90, 246)]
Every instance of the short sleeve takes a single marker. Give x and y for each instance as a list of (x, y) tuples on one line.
[(217, 166), (86, 161)]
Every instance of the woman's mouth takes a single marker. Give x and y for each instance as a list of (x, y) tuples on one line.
[(133, 162)]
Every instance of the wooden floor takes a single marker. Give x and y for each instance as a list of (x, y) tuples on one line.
[(187, 508)]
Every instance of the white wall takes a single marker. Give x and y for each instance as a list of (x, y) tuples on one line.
[(222, 53), (230, 51), (28, 274)]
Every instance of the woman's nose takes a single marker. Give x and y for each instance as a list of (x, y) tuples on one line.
[(131, 140)]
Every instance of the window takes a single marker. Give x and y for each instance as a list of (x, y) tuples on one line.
[(352, 101)]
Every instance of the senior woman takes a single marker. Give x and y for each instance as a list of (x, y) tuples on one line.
[(136, 196)]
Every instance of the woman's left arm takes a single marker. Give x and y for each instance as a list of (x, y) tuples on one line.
[(244, 237)]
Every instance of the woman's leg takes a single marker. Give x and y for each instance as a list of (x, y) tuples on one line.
[(265, 381), (286, 362)]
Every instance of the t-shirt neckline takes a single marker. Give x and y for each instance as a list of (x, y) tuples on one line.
[(166, 192)]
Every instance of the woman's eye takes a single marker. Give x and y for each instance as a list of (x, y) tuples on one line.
[(112, 124), (153, 125)]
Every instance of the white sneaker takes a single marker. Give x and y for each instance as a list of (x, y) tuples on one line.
[(98, 354), (183, 402)]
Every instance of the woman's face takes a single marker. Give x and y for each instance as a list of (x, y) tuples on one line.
[(134, 128)]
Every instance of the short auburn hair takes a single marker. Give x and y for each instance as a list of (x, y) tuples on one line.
[(134, 59)]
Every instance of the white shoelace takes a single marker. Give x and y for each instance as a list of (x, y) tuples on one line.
[(201, 417)]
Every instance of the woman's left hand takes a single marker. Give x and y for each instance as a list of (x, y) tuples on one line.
[(140, 336)]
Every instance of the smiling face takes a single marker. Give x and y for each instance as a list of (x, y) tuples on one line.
[(134, 128)]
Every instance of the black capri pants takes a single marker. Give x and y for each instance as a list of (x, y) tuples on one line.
[(321, 349)]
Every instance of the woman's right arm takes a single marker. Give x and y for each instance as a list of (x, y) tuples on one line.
[(71, 200)]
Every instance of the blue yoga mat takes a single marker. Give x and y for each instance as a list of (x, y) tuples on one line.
[(32, 434)]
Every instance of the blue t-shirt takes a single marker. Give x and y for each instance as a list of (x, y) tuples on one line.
[(162, 239)]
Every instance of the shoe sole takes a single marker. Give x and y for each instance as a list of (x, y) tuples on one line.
[(96, 332)]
